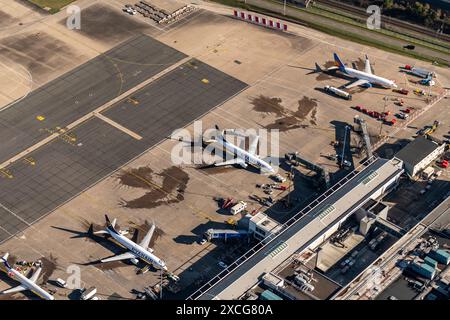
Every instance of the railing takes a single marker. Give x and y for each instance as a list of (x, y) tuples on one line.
[(264, 243)]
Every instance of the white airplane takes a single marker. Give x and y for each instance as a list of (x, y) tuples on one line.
[(25, 283), (364, 78), (243, 157), (136, 251)]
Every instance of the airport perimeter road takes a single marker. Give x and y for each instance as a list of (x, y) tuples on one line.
[(307, 17)]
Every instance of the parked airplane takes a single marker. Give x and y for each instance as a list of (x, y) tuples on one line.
[(363, 78), (243, 157), (25, 283), (136, 251)]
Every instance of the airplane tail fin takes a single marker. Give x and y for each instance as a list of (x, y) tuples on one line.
[(4, 260), (5, 257), (339, 63), (109, 223), (219, 132), (318, 68)]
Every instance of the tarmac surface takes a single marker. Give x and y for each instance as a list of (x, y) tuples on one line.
[(64, 168), (81, 91)]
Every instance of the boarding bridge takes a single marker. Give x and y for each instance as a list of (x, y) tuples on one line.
[(365, 134)]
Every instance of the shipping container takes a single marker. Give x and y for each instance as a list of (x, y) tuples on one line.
[(269, 295), (441, 256), (424, 270), (431, 262)]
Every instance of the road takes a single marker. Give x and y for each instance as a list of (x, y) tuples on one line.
[(350, 29)]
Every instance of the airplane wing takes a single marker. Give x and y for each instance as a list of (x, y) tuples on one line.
[(253, 145), (367, 68), (36, 275), (359, 82), (146, 241), (123, 256), (19, 288), (231, 162)]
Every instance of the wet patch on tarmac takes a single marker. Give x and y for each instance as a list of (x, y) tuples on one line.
[(111, 265), (265, 104), (102, 23), (49, 265), (142, 231), (216, 170), (322, 76), (360, 64), (6, 20), (169, 189), (307, 108), (39, 53)]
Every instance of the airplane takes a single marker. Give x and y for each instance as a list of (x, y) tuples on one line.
[(363, 78), (25, 283), (136, 251), (243, 157)]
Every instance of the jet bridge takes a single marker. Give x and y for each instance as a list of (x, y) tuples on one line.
[(365, 135)]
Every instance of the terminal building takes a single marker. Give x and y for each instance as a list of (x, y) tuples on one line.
[(418, 154), (306, 230)]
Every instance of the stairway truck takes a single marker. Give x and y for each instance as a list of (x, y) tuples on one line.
[(338, 92)]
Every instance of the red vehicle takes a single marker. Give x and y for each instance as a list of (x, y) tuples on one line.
[(401, 91), (370, 113), (364, 110), (386, 113), (407, 110), (407, 67), (443, 164), (358, 108), (391, 122)]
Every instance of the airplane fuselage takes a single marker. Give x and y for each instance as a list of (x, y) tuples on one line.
[(246, 156), (140, 252), (373, 79), (30, 285)]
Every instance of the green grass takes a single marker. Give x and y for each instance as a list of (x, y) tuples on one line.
[(337, 32), (433, 44), (54, 5)]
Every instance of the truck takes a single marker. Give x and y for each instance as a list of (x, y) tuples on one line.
[(391, 122), (338, 92), (420, 72), (238, 207)]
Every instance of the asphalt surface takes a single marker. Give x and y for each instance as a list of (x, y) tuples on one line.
[(64, 168), (307, 17), (81, 91)]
